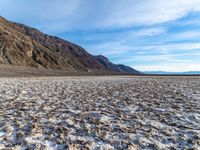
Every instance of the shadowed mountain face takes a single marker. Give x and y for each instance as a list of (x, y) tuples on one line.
[(24, 46)]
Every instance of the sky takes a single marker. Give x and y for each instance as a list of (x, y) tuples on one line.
[(148, 35)]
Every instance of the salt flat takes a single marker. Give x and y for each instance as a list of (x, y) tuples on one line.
[(100, 113)]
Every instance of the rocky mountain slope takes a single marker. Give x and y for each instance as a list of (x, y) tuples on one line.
[(24, 46), (117, 68)]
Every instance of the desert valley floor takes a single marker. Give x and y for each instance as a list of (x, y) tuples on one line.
[(115, 112)]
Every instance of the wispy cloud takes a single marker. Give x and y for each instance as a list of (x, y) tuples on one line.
[(150, 12), (172, 67), (186, 35)]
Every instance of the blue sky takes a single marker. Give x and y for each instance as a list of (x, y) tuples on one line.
[(159, 35)]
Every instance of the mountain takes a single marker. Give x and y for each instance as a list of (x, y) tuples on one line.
[(173, 73), (127, 69), (21, 45), (117, 68)]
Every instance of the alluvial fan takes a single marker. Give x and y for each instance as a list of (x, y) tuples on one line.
[(100, 113)]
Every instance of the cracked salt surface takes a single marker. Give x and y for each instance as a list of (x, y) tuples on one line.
[(100, 113)]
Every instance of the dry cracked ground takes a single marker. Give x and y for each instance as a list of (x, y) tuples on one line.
[(100, 113)]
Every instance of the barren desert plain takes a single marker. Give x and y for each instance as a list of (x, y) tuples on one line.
[(110, 112)]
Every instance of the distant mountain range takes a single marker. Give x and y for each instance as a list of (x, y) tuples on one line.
[(173, 73), (21, 45)]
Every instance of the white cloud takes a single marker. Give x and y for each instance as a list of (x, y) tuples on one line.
[(123, 36), (180, 67), (147, 32), (117, 48), (163, 48), (160, 58), (182, 46), (150, 12), (110, 48), (185, 35)]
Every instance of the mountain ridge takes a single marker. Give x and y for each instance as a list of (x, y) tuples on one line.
[(25, 46)]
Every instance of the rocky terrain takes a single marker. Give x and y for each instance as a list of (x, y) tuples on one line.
[(100, 113), (19, 71), (21, 45)]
